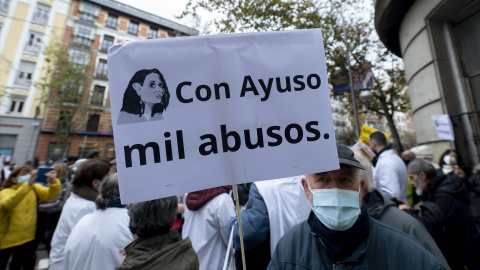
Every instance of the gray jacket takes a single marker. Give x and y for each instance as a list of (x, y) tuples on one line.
[(385, 248), (387, 212)]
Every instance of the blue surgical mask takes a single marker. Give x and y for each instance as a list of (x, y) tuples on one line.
[(337, 209), (24, 178)]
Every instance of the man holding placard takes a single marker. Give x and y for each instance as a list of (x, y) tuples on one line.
[(340, 232)]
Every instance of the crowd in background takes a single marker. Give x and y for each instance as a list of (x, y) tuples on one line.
[(78, 218)]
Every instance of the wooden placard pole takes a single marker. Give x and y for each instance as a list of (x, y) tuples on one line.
[(237, 210)]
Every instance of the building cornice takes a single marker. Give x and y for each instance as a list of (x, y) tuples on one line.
[(141, 15), (389, 15)]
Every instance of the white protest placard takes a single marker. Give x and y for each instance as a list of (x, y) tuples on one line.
[(444, 127), (199, 112)]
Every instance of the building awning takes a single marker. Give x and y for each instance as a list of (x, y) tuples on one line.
[(88, 133)]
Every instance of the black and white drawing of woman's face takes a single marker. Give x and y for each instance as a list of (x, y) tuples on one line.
[(152, 90)]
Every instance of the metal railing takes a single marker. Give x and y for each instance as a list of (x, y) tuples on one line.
[(23, 82)]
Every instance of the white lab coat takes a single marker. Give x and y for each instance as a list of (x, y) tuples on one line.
[(95, 241), (206, 228), (390, 176), (74, 209), (286, 204)]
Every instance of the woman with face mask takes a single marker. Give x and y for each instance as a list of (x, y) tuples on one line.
[(450, 164), (18, 213)]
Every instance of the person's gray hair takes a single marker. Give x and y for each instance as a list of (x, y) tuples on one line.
[(417, 166), (153, 217), (108, 192), (366, 174)]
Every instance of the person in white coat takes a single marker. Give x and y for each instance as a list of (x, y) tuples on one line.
[(88, 178), (273, 207), (390, 173), (206, 216), (96, 239)]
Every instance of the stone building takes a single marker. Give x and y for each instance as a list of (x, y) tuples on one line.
[(439, 41), (25, 28)]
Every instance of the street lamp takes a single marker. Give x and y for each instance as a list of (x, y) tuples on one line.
[(366, 97)]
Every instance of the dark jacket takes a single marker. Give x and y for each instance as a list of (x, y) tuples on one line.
[(387, 212), (446, 214), (474, 181), (165, 251), (385, 248)]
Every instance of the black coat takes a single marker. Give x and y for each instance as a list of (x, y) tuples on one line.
[(446, 214)]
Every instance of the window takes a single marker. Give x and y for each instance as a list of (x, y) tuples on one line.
[(112, 21), (467, 33), (171, 34), (86, 149), (25, 73), (34, 44), (4, 4), (64, 120), (79, 57), (102, 70), (41, 15), (88, 12), (83, 35), (152, 33), (133, 28), (97, 95), (92, 123), (55, 152), (107, 43), (16, 106)]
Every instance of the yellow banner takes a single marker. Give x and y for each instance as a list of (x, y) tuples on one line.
[(365, 134)]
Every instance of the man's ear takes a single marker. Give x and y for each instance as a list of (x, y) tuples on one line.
[(306, 189), (363, 192), (423, 176), (96, 183), (137, 87)]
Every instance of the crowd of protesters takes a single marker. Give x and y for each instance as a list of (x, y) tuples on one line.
[(395, 211)]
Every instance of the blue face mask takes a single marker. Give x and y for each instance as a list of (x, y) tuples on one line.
[(337, 209), (24, 178)]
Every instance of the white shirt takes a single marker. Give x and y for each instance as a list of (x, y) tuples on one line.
[(286, 204), (390, 176), (206, 228), (74, 209), (96, 239)]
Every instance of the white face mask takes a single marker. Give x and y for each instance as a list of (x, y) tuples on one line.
[(450, 160), (337, 209), (24, 178)]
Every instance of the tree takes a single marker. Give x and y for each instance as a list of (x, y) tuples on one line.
[(64, 90), (347, 27)]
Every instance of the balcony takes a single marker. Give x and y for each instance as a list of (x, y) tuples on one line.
[(23, 82), (42, 20), (82, 41), (101, 75), (33, 49), (105, 45)]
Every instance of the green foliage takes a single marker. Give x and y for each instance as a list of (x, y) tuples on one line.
[(347, 27), (64, 89)]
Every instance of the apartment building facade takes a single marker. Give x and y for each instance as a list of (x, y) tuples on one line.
[(93, 27), (26, 26)]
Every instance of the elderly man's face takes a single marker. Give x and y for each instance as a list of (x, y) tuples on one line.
[(345, 178)]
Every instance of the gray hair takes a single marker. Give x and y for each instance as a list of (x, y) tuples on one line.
[(366, 174), (108, 192), (417, 166), (154, 217)]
